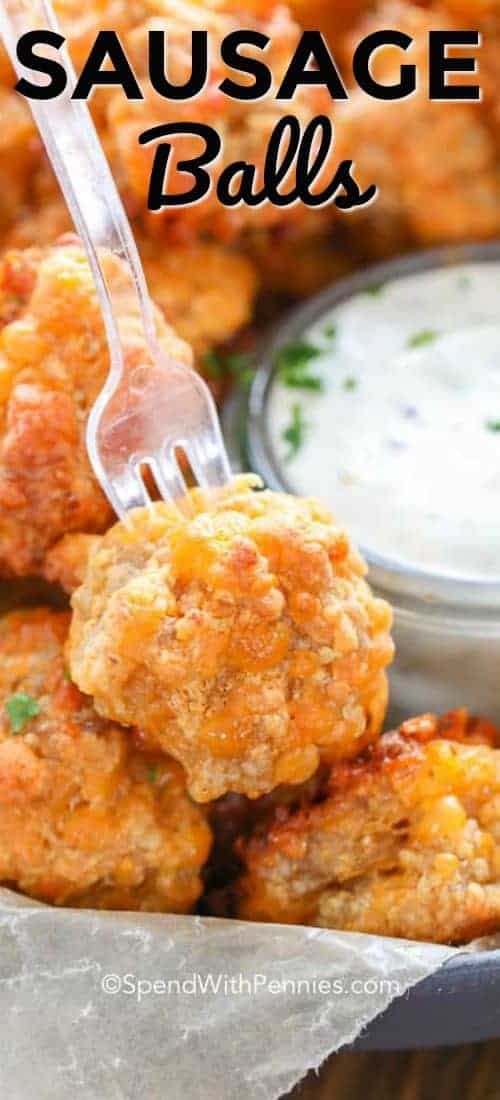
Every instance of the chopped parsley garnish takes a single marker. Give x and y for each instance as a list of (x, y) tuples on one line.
[(20, 709), (350, 383), (295, 433), (240, 368), (297, 355), (152, 773), (420, 339), (293, 363), (236, 365), (299, 380), (67, 675), (330, 332), (493, 425), (375, 288)]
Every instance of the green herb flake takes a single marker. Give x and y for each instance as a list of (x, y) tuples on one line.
[(297, 355), (375, 289), (493, 425), (350, 383), (464, 282), (236, 365), (152, 773), (20, 709), (305, 381), (295, 433), (420, 339), (293, 364), (67, 675), (239, 366), (330, 332)]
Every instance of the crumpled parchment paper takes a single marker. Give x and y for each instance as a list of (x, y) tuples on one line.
[(120, 1006)]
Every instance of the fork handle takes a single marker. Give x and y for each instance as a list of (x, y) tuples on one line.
[(76, 155)]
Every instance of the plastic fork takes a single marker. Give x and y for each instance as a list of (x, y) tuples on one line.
[(145, 413)]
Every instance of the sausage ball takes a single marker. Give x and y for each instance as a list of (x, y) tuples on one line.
[(85, 818), (240, 631), (436, 164), (53, 362), (205, 290), (244, 128), (19, 153), (66, 563), (406, 842)]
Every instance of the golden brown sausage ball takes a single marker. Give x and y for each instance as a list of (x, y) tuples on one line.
[(436, 164), (85, 818), (205, 290), (53, 362), (20, 153), (244, 128), (241, 631), (66, 563), (406, 843)]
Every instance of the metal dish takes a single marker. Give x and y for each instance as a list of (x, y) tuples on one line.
[(446, 628), (460, 1003), (255, 443)]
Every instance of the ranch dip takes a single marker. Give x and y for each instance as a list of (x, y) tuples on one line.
[(388, 409)]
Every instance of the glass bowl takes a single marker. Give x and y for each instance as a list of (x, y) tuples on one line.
[(446, 629)]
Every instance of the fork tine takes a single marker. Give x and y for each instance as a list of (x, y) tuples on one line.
[(167, 475), (128, 491), (208, 458)]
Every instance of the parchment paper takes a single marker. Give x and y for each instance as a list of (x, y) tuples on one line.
[(81, 1016)]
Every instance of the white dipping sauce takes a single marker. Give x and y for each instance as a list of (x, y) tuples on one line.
[(403, 442)]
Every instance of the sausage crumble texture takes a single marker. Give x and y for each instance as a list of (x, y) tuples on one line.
[(238, 636), (436, 164), (239, 632), (54, 360), (405, 843), (85, 818), (205, 290)]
